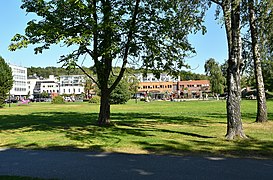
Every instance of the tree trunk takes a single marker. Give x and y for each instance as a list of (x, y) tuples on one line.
[(104, 115), (261, 99), (234, 122)]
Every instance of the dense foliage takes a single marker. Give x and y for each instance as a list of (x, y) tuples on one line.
[(57, 100), (216, 77), (6, 81), (95, 100)]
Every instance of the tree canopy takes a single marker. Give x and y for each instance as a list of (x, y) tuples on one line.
[(151, 33), (217, 80), (6, 81)]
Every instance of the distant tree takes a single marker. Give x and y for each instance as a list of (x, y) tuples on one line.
[(217, 80), (267, 67), (58, 100), (152, 33), (188, 75), (6, 81), (121, 94)]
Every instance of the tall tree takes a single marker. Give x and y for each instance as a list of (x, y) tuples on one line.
[(153, 33), (232, 11), (261, 99), (6, 81), (217, 80)]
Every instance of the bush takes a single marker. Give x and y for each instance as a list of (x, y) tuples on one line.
[(58, 100), (95, 100)]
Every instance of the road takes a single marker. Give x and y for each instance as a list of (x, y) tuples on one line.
[(115, 166)]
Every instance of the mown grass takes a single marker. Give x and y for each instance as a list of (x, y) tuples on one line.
[(179, 128)]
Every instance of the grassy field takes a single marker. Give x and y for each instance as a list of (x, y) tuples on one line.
[(180, 128)]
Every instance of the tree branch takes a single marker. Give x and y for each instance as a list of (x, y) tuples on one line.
[(217, 2), (87, 74), (127, 47)]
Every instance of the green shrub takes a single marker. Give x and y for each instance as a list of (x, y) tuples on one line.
[(95, 100), (58, 100)]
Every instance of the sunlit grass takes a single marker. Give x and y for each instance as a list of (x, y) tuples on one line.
[(196, 127)]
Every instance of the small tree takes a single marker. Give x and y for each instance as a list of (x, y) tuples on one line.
[(121, 94), (58, 100), (6, 81), (217, 80)]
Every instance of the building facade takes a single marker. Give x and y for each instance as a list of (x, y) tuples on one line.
[(151, 78), (168, 87), (19, 89), (72, 84), (193, 88), (38, 85)]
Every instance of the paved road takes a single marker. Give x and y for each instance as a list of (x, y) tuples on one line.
[(108, 166)]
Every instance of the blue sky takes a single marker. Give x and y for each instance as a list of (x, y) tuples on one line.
[(13, 20)]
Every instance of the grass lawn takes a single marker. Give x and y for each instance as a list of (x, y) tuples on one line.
[(180, 128)]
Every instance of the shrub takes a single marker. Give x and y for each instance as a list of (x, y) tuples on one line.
[(58, 100), (95, 100)]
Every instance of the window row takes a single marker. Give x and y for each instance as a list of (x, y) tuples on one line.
[(19, 89), (50, 86), (51, 91), (155, 86), (20, 77), (19, 71), (71, 91), (20, 83)]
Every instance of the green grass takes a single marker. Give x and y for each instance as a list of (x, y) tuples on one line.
[(179, 128)]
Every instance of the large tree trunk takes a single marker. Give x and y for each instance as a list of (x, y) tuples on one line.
[(261, 99), (232, 20), (104, 115)]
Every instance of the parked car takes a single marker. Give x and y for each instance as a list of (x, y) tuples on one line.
[(11, 101), (69, 99)]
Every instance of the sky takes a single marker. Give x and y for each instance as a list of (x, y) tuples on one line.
[(13, 20)]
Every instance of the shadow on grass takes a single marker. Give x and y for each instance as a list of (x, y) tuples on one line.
[(139, 127), (248, 116)]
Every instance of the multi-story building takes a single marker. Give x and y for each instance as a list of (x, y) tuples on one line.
[(157, 88), (167, 86), (72, 84), (19, 89), (193, 88), (151, 78), (38, 85)]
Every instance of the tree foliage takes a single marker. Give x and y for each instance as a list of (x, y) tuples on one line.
[(151, 33), (121, 94), (217, 80), (6, 81)]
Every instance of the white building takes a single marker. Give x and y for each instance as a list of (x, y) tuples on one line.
[(19, 88), (151, 78), (72, 84), (38, 85)]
